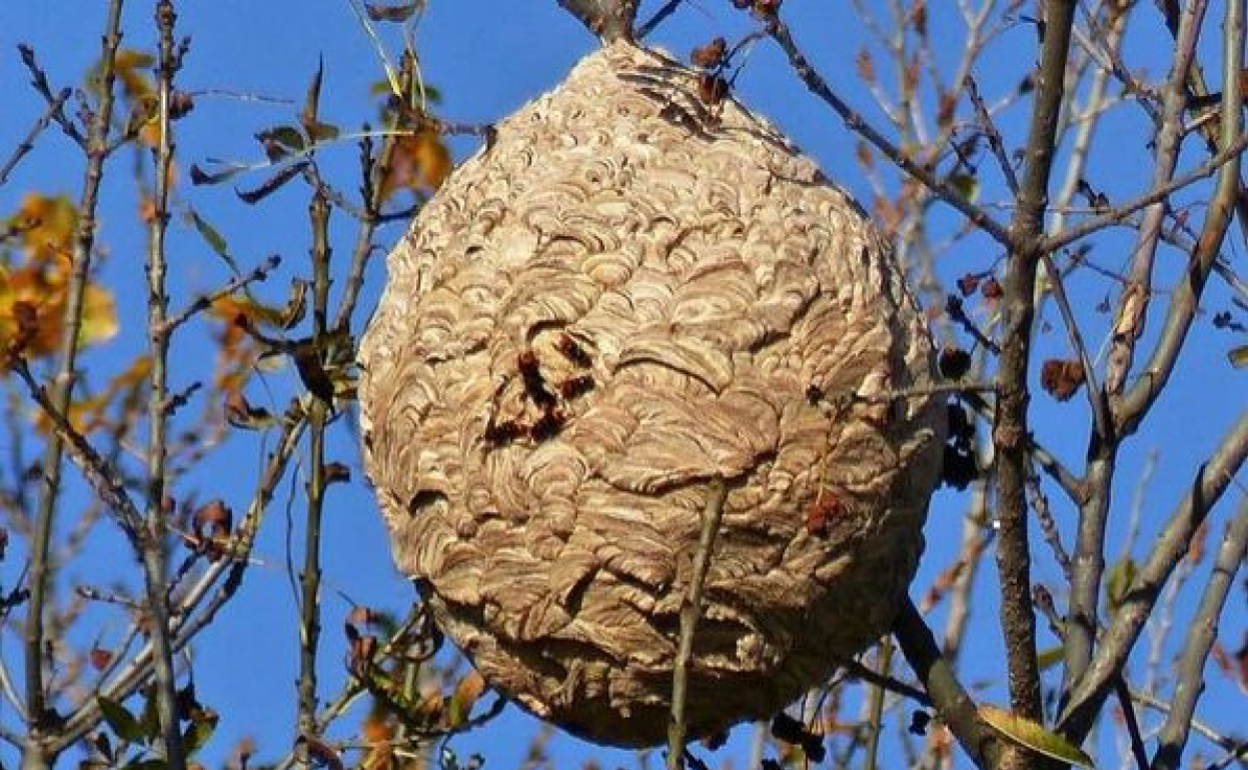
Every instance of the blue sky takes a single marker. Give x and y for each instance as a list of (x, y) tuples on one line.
[(487, 57)]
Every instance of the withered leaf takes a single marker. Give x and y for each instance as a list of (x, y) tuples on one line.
[(100, 658), (336, 473), (201, 177), (241, 414), (968, 283), (1061, 379), (991, 289), (320, 753), (710, 55), (272, 184), (309, 116), (396, 13)]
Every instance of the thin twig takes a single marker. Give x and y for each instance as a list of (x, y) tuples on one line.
[(34, 756), (104, 478), (690, 613), (151, 546), (39, 79), (658, 18), (226, 575), (375, 171), (995, 143), (1123, 693), (1096, 398), (10, 693), (1133, 302), (1122, 212), (1235, 747), (1185, 303), (310, 584), (854, 121), (872, 677), (875, 708), (259, 274), (28, 142), (1048, 525)]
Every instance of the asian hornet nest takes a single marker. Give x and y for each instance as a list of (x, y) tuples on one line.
[(630, 293)]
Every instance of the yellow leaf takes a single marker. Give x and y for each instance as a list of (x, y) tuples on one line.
[(231, 307), (131, 67), (99, 316), (966, 185), (136, 374), (46, 226), (1034, 736), (1238, 357), (420, 162), (466, 694), (1118, 582), (433, 159)]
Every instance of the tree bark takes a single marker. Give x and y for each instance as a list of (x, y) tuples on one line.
[(610, 20)]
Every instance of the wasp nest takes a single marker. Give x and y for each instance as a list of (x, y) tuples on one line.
[(629, 293)]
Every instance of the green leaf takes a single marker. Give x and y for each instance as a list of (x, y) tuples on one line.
[(202, 726), (122, 722), (1049, 658), (321, 132), (966, 185), (288, 137), (1238, 357), (213, 238), (1118, 582), (1034, 736)]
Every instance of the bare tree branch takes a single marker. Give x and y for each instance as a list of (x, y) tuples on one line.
[(310, 576), (151, 547), (955, 706), (1010, 428), (200, 605), (1199, 641), (608, 19), (1133, 303), (1096, 399), (1186, 299), (1211, 481), (34, 757)]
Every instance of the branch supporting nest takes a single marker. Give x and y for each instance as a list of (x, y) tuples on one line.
[(610, 20)]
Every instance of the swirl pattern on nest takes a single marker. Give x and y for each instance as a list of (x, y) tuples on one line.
[(626, 295)]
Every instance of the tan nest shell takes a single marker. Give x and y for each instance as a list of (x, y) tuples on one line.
[(626, 294)]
